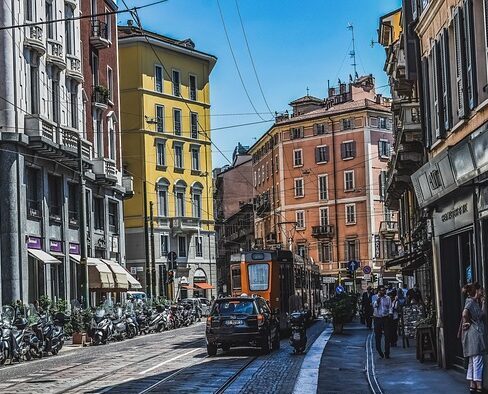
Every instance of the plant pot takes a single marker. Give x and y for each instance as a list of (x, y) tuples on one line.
[(338, 327), (79, 338)]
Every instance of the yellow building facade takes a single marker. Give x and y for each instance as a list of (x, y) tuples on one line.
[(165, 121)]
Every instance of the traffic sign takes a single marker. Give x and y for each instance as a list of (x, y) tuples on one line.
[(367, 277), (353, 265), (328, 279), (339, 289), (367, 269)]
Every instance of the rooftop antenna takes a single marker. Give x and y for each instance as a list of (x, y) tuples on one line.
[(352, 54), (307, 90)]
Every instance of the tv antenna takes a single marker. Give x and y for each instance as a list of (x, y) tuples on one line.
[(352, 54)]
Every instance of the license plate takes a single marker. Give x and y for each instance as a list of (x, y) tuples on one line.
[(233, 322), (296, 336)]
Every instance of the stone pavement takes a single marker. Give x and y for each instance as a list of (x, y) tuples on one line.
[(346, 366)]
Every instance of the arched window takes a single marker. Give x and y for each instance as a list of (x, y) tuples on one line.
[(180, 192), (162, 187), (199, 276), (196, 199)]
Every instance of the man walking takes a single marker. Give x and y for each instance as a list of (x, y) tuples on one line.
[(381, 312), (367, 306)]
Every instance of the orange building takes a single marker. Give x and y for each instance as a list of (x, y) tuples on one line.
[(319, 176)]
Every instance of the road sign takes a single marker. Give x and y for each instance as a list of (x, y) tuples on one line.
[(353, 265), (367, 277), (367, 269), (348, 283), (328, 279), (339, 289)]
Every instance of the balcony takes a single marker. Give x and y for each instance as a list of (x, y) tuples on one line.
[(34, 39), (105, 171), (326, 231), (262, 205), (182, 224), (162, 221), (55, 54), (73, 69), (128, 184), (70, 143), (388, 229), (100, 97), (99, 37)]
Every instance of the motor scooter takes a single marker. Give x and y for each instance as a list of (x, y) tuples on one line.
[(298, 337)]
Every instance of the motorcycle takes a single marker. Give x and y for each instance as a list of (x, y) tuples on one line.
[(119, 322), (298, 338), (14, 345), (101, 329), (131, 321)]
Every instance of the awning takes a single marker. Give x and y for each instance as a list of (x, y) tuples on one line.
[(204, 285), (119, 273), (42, 256), (402, 260), (99, 275), (133, 282), (414, 264), (187, 287)]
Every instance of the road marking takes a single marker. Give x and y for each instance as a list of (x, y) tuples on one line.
[(370, 366), (308, 377), (168, 361)]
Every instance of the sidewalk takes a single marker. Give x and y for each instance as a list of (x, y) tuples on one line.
[(346, 367)]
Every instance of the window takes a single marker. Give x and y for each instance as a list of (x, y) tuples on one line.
[(69, 28), (323, 195), (297, 158), (164, 244), (299, 187), (180, 203), (255, 178), (383, 180), (177, 121), (258, 276), (325, 252), (176, 83), (111, 138), (192, 82), (34, 208), (322, 154), (199, 246), (34, 87), (197, 205), (348, 150), (178, 156), (98, 127), (382, 123), (163, 202), (195, 159), (53, 86), (28, 11), (181, 246), (194, 125), (324, 216), (113, 217), (160, 153), (160, 118), (384, 149), (73, 205), (49, 18), (349, 181), (158, 78), (350, 213), (277, 164), (54, 197), (302, 250), (108, 23), (352, 249), (110, 83), (300, 219), (319, 129), (72, 107), (95, 69), (98, 213), (346, 124), (296, 132), (459, 42)]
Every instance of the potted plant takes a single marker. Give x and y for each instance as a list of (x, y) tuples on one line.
[(341, 309), (79, 323)]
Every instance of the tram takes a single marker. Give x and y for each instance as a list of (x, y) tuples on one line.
[(275, 275)]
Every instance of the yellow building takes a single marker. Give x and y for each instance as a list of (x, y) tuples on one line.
[(165, 111)]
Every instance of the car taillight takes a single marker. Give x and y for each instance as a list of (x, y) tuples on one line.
[(260, 320)]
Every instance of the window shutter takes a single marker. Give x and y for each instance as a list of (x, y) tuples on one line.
[(388, 124), (438, 93), (315, 129), (353, 148), (471, 86), (317, 155), (425, 98), (373, 122), (460, 63), (356, 247), (343, 150), (446, 81), (346, 251), (358, 122), (326, 153)]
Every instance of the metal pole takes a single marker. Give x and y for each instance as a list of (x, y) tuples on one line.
[(83, 246), (153, 252), (146, 244)]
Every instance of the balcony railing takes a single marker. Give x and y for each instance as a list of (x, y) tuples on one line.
[(34, 39), (34, 209), (105, 169), (74, 68), (99, 34), (55, 213), (388, 229), (326, 231), (38, 126), (100, 96), (128, 184), (73, 218), (185, 224), (55, 54)]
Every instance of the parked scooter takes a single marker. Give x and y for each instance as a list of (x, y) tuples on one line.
[(298, 338), (101, 326), (119, 322)]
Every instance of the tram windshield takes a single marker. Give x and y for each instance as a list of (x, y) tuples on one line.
[(258, 276)]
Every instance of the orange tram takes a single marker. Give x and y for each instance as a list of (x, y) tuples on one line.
[(275, 275)]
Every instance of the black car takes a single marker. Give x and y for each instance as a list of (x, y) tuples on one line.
[(242, 321)]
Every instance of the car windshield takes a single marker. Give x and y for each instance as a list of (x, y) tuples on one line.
[(233, 307)]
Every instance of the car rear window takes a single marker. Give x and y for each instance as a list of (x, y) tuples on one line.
[(233, 307)]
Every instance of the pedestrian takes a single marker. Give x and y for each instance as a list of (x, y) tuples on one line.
[(367, 307), (473, 335), (381, 312), (394, 317), (414, 296)]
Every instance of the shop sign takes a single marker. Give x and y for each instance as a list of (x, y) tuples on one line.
[(115, 244), (74, 248), (377, 246), (34, 242), (55, 246), (457, 214)]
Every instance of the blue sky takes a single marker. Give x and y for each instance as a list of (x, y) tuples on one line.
[(295, 44)]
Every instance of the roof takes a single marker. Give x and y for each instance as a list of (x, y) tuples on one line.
[(306, 99), (187, 46)]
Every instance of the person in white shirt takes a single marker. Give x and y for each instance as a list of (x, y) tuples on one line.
[(381, 313)]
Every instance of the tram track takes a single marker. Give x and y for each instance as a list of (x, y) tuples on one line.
[(371, 368)]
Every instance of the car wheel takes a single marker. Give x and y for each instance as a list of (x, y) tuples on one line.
[(225, 348), (211, 349), (267, 344)]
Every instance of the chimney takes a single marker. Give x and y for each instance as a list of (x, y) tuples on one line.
[(342, 88), (130, 23), (379, 99), (331, 92)]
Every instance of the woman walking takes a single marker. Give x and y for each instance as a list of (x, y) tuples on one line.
[(473, 334)]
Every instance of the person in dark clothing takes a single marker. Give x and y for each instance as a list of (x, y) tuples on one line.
[(367, 307), (414, 296), (394, 317)]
